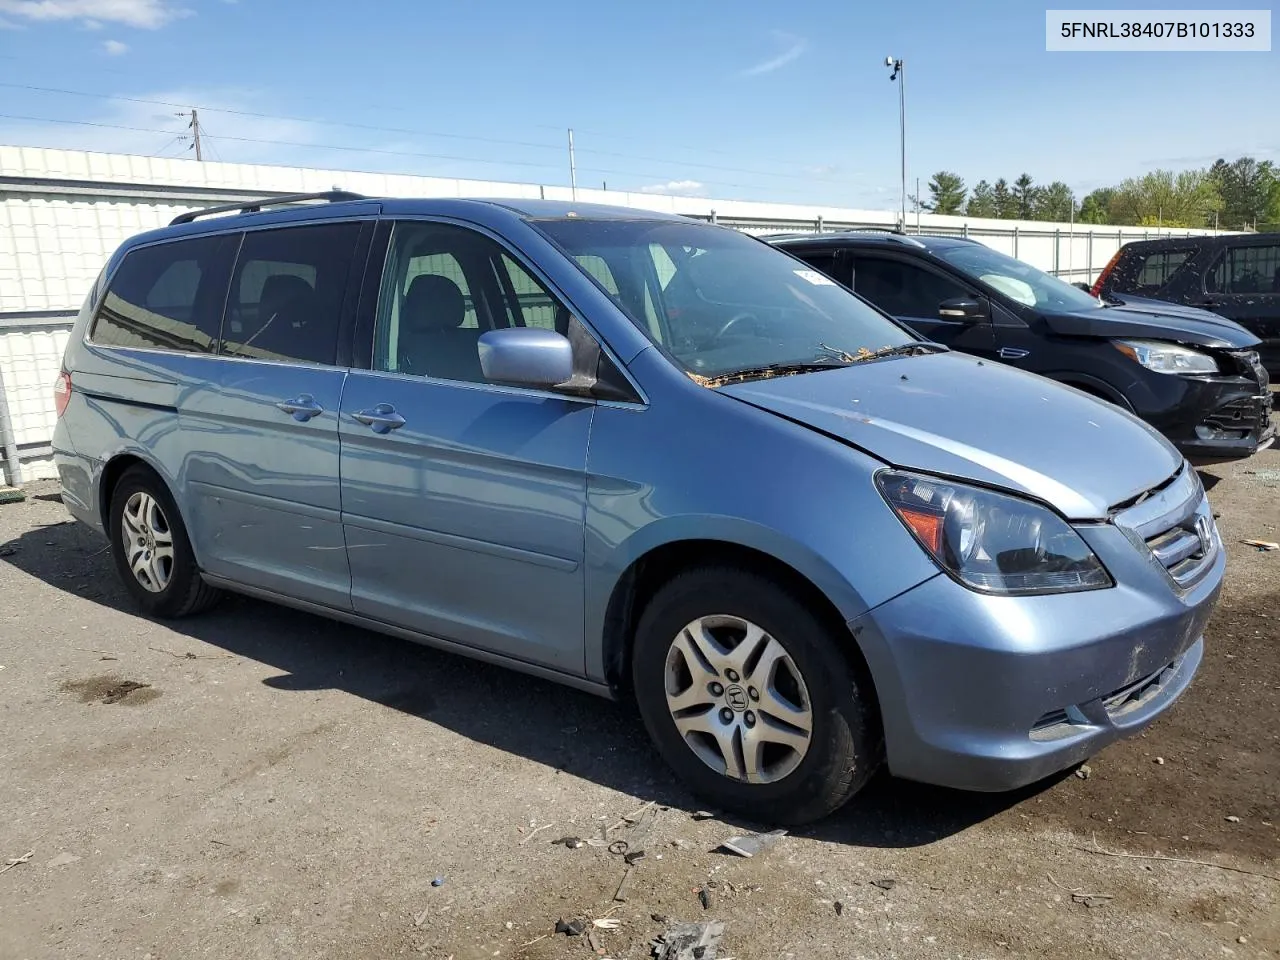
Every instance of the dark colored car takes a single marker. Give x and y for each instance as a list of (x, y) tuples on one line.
[(1237, 276), (1193, 375)]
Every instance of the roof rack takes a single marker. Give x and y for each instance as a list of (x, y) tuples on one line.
[(253, 206)]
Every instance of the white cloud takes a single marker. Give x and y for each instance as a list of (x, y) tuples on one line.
[(146, 14), (680, 188), (793, 47), (115, 48)]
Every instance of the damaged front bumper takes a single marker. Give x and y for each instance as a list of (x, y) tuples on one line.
[(991, 693)]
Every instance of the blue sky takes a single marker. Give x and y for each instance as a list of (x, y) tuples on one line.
[(768, 101)]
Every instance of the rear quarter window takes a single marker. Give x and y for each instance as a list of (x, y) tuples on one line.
[(167, 296)]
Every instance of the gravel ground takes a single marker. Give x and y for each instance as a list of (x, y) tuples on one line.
[(284, 786)]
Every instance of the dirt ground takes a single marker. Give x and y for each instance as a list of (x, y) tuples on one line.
[(262, 784)]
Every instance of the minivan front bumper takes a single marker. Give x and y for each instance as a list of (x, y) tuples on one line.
[(991, 693)]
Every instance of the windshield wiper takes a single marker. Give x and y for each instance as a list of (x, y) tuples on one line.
[(918, 348), (772, 370)]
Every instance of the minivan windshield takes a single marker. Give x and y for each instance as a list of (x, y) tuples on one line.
[(1017, 280), (721, 302)]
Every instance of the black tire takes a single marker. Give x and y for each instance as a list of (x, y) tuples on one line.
[(845, 745), (185, 591)]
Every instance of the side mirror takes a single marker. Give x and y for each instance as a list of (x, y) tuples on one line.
[(962, 310), (526, 357)]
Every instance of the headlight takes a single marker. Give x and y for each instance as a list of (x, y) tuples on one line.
[(1166, 357), (991, 542)]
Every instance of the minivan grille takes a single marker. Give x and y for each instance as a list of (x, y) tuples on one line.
[(1175, 527)]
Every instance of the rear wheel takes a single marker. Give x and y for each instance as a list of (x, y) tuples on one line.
[(152, 553), (748, 698)]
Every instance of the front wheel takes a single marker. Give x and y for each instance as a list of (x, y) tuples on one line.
[(152, 553), (749, 699)]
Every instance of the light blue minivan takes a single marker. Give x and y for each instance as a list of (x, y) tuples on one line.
[(643, 456)]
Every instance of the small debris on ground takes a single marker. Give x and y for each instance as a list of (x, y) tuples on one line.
[(11, 495), (1092, 900), (704, 897), (1160, 760), (749, 844), (1084, 771), (572, 843), (8, 551), (438, 882), (62, 860), (659, 918), (1232, 819), (573, 928), (839, 908), (689, 941), (886, 885), (14, 861), (700, 815), (1263, 546), (607, 923)]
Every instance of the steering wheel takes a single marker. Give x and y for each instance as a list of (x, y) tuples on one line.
[(734, 321)]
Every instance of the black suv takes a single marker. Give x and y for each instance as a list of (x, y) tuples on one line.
[(1193, 375), (1237, 276)]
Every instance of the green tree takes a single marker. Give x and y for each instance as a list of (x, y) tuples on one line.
[(981, 201), (1096, 207), (1006, 205), (1245, 189), (1165, 198), (946, 193), (1024, 197), (1054, 202)]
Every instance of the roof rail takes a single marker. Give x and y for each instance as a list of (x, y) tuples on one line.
[(253, 206)]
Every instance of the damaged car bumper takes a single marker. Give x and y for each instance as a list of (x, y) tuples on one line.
[(991, 693)]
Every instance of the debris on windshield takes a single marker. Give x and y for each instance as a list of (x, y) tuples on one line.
[(748, 845), (689, 941), (699, 379)]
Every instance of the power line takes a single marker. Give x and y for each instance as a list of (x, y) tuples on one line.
[(374, 150), (429, 133)]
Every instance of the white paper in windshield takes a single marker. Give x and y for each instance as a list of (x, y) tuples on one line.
[(816, 278)]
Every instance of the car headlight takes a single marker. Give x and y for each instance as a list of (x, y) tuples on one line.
[(991, 542), (1166, 357)]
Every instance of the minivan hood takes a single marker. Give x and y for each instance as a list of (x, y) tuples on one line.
[(1152, 319), (958, 416)]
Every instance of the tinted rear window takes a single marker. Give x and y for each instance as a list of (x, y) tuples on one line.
[(288, 291), (167, 297)]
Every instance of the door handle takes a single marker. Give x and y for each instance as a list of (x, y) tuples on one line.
[(382, 418), (302, 407), (1012, 353)]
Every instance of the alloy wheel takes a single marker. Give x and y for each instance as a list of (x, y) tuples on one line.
[(148, 541), (738, 699)]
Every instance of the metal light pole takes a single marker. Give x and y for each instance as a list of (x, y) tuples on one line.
[(900, 74)]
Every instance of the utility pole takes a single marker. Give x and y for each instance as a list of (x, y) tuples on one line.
[(195, 133), (917, 206), (900, 74), (573, 167)]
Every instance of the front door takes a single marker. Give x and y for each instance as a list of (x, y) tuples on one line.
[(1244, 285), (912, 291), (463, 501), (263, 465)]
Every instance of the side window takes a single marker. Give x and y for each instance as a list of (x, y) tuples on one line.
[(528, 302), (904, 289), (287, 293), (1147, 273), (1253, 269), (167, 296), (839, 269), (443, 287)]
